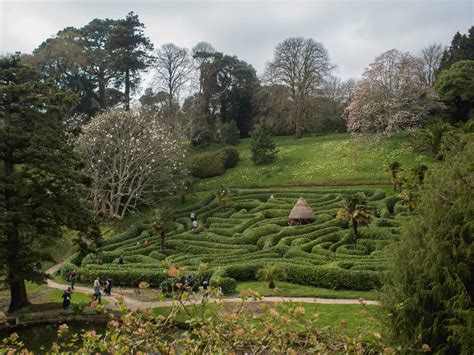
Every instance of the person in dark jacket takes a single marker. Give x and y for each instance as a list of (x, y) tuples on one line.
[(72, 278), (67, 298), (108, 287)]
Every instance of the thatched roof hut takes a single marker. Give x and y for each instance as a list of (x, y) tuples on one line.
[(302, 211)]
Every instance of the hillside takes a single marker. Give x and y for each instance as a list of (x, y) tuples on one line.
[(333, 159)]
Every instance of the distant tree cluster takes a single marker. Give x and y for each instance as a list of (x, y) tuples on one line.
[(101, 62)]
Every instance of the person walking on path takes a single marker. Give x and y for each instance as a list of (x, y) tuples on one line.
[(66, 298), (193, 216), (96, 285), (97, 294), (108, 287), (72, 278)]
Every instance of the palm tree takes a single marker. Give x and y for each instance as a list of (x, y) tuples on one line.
[(270, 274), (418, 172), (393, 169), (163, 224), (409, 199), (223, 196), (356, 213), (434, 139), (467, 127)]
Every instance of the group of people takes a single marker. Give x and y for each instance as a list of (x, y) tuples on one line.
[(67, 295), (194, 222), (107, 289), (108, 282)]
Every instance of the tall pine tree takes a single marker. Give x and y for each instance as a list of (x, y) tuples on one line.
[(131, 52), (262, 146), (40, 187)]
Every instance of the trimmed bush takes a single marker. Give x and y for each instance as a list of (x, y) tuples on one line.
[(207, 165), (230, 157), (252, 234), (227, 284)]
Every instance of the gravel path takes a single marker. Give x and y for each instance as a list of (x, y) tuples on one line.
[(135, 304)]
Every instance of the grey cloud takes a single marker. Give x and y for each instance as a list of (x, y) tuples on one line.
[(354, 32)]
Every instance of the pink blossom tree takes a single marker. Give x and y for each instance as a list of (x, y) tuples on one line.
[(391, 96)]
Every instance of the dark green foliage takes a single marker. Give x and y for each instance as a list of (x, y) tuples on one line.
[(122, 275), (96, 61), (429, 291), (131, 53), (230, 157), (227, 284), (228, 85), (230, 133), (262, 146), (41, 190), (208, 165), (455, 86), (461, 48), (433, 140), (214, 164)]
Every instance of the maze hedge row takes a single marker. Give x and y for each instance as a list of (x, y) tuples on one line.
[(253, 232)]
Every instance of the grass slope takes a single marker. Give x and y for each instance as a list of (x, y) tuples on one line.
[(287, 289), (354, 318), (333, 159)]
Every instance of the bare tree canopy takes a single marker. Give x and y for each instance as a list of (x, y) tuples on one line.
[(300, 65), (173, 69), (430, 60)]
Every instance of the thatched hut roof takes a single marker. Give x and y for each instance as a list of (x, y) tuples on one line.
[(301, 210)]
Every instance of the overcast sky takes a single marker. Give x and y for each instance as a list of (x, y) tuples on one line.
[(353, 31)]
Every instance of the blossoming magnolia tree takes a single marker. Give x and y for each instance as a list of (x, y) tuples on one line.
[(391, 96), (131, 158)]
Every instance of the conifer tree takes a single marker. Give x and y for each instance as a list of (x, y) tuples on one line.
[(39, 184), (428, 295), (262, 146)]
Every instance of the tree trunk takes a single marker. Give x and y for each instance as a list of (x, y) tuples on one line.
[(102, 97), (355, 234), (127, 90), (18, 296), (162, 243)]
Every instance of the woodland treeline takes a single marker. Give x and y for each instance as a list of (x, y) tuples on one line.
[(210, 96)]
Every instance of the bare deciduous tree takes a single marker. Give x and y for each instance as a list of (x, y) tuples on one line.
[(132, 158), (173, 69), (430, 62), (301, 65)]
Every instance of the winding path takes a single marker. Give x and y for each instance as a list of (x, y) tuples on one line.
[(135, 304)]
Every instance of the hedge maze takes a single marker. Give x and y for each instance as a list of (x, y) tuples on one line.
[(253, 231)]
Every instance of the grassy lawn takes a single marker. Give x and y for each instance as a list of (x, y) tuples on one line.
[(43, 299), (355, 317), (287, 289), (333, 159)]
